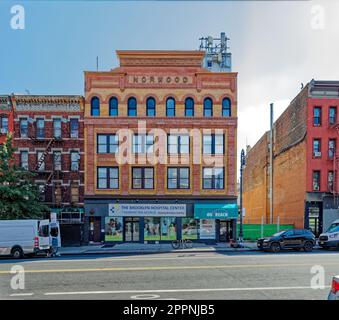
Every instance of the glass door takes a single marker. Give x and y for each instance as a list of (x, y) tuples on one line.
[(225, 231), (131, 229)]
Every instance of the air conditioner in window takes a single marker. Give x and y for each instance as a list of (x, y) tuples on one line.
[(3, 131), (317, 154)]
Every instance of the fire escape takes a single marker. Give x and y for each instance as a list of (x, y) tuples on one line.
[(334, 156), (46, 143), (54, 172)]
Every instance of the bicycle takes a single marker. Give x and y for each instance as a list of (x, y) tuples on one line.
[(184, 243)]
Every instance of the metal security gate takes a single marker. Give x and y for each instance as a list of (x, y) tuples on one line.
[(71, 234)]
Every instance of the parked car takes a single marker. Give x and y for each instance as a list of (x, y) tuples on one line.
[(330, 239), (24, 237), (296, 239), (334, 293)]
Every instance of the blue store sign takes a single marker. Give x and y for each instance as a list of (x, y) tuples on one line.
[(215, 211)]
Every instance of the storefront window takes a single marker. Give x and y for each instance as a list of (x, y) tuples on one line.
[(207, 229), (163, 228), (152, 229), (168, 229), (189, 229), (113, 229)]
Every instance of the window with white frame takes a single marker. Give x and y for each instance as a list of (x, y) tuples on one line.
[(24, 128), (57, 160), (24, 160), (75, 160)]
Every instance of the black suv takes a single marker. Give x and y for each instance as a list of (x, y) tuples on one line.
[(289, 239)]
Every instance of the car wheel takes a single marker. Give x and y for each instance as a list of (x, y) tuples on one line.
[(275, 247), (308, 246), (17, 253)]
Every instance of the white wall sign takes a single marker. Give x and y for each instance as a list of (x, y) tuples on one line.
[(142, 210), (207, 228)]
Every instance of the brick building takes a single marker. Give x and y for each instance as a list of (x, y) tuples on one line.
[(49, 137), (177, 125), (6, 117), (305, 165)]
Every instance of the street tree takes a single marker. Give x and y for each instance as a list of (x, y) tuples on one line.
[(19, 195)]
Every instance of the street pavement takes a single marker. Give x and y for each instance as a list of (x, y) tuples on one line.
[(172, 276)]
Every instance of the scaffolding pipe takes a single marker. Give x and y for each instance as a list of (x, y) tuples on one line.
[(271, 163)]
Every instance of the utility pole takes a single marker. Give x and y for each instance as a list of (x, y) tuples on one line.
[(242, 164), (271, 163)]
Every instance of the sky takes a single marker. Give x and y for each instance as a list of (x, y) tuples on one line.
[(275, 45)]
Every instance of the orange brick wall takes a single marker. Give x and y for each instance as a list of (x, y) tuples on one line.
[(289, 184), (289, 169), (255, 178)]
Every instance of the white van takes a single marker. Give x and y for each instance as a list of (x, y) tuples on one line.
[(24, 237), (330, 239)]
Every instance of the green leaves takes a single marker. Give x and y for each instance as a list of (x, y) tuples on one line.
[(19, 195)]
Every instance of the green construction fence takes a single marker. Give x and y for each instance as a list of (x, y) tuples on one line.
[(253, 231)]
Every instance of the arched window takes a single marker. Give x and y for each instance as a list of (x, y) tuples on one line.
[(226, 107), (132, 107), (95, 106), (150, 107), (189, 107), (113, 106), (170, 107), (208, 107)]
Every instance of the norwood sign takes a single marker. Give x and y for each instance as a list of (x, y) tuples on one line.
[(156, 79), (143, 210)]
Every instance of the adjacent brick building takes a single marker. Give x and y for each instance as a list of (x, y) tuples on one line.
[(49, 137), (305, 166), (6, 117), (149, 200)]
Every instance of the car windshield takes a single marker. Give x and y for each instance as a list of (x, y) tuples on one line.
[(278, 234), (333, 228)]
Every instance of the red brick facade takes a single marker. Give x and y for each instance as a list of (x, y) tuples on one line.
[(62, 187), (6, 117)]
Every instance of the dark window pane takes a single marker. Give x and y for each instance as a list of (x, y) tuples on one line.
[(132, 107), (24, 128), (170, 107), (150, 107), (95, 106), (226, 107), (208, 107), (189, 107), (113, 107), (74, 128)]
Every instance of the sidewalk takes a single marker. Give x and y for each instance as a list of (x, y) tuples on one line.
[(140, 248)]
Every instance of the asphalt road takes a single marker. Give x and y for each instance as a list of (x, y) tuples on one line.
[(256, 275)]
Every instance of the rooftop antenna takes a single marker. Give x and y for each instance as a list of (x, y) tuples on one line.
[(27, 92), (217, 58), (97, 63)]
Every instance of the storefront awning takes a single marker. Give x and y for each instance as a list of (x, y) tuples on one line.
[(215, 211)]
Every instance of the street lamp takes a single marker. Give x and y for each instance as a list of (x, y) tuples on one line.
[(242, 164)]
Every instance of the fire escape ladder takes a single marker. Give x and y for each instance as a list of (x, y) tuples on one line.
[(43, 156), (49, 178)]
